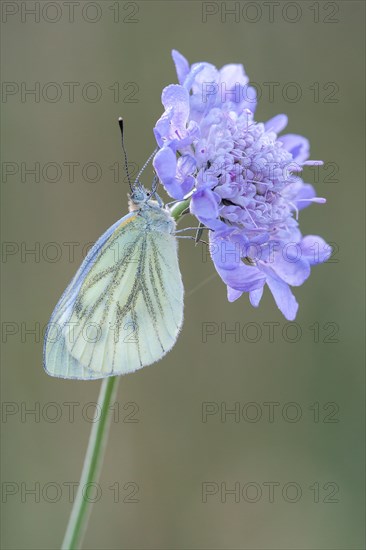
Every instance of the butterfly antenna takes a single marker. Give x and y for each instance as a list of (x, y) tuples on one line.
[(137, 180), (120, 123)]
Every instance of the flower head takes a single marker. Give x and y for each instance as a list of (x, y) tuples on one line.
[(242, 180)]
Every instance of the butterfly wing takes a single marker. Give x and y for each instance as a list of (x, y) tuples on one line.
[(57, 359), (124, 308)]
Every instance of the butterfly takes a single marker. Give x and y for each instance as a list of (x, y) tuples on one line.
[(123, 310)]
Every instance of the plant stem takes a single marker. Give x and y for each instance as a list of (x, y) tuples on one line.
[(97, 440), (178, 209), (92, 462)]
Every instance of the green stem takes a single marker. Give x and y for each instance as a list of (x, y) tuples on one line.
[(97, 440), (93, 458), (178, 209)]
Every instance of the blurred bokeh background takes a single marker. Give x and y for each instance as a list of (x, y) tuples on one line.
[(90, 62)]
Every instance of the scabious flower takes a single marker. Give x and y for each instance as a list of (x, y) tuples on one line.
[(242, 181)]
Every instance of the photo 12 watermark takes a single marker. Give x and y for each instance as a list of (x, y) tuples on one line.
[(69, 92), (270, 332), (244, 12), (53, 12), (52, 412), (272, 91), (254, 492), (66, 171), (52, 492), (270, 412)]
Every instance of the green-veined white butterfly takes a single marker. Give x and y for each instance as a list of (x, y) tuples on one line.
[(123, 310)]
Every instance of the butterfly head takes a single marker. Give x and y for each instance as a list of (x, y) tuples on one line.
[(139, 194), (141, 197)]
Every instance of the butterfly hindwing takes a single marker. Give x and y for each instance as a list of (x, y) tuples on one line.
[(124, 308)]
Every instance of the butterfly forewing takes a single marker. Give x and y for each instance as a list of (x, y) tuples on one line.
[(124, 308)]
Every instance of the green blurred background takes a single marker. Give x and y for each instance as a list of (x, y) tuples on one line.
[(169, 453)]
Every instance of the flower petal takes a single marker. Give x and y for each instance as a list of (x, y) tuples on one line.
[(298, 146), (186, 165), (276, 124), (233, 294), (233, 74), (204, 204), (284, 298), (177, 98), (255, 296), (246, 278), (315, 249), (204, 74), (181, 66), (227, 260), (289, 265), (306, 191), (172, 124), (165, 164), (243, 277)]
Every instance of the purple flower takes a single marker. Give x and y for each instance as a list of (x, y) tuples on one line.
[(242, 181)]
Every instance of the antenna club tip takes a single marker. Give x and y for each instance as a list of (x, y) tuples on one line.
[(120, 119)]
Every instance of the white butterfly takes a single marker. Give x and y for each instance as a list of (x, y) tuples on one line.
[(123, 310)]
